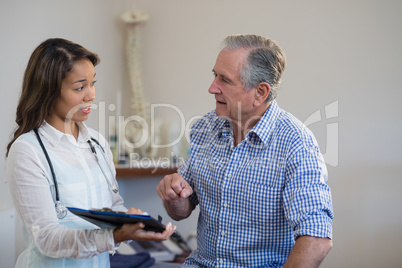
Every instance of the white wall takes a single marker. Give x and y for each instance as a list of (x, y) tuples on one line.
[(345, 51)]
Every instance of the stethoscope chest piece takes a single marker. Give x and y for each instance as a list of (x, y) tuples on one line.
[(61, 210)]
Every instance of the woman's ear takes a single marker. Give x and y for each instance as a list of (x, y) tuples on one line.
[(261, 93)]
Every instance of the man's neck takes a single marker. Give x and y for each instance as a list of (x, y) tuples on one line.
[(241, 128)]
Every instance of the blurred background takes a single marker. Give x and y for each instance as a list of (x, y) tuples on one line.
[(343, 79)]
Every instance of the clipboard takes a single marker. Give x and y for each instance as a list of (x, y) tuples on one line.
[(105, 219)]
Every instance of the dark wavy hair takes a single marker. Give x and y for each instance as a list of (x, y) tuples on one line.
[(41, 88)]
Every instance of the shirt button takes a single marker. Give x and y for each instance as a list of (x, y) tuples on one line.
[(92, 183), (221, 261), (225, 205), (229, 175), (223, 233)]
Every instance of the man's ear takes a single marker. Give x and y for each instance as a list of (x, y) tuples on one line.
[(261, 93)]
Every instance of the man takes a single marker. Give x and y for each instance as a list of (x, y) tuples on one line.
[(255, 171)]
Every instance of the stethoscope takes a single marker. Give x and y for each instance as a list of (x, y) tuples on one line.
[(61, 210)]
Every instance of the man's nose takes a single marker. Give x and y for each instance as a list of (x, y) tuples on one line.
[(214, 88)]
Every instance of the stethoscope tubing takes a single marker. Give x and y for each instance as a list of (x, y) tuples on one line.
[(61, 209), (114, 189), (56, 187)]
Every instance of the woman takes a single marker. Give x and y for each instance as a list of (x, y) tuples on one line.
[(57, 93)]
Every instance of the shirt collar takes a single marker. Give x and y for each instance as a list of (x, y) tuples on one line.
[(84, 134), (263, 127), (54, 136), (266, 124), (227, 129)]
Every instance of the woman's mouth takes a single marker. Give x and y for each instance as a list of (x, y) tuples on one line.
[(86, 110)]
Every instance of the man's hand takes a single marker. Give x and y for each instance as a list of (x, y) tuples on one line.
[(174, 191), (173, 187)]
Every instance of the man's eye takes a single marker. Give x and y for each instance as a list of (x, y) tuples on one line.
[(93, 83)]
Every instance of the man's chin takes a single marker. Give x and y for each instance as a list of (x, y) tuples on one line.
[(221, 114)]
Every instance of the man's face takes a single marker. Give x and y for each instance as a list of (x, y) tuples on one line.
[(232, 101)]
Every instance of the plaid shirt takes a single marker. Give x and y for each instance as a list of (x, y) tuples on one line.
[(257, 197)]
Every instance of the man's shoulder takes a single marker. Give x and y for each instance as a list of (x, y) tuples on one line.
[(288, 120), (294, 132), (291, 126)]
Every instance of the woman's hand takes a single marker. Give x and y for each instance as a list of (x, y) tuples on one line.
[(136, 232), (134, 211)]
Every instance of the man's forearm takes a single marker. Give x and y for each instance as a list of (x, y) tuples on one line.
[(179, 209), (308, 252)]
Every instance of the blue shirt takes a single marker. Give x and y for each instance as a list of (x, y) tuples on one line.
[(256, 198)]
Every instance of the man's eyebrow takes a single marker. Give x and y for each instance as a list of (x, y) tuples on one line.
[(224, 77)]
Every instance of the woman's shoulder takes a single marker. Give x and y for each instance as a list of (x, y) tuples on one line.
[(25, 144), (28, 137)]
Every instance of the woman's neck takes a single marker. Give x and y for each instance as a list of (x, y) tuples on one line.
[(70, 127)]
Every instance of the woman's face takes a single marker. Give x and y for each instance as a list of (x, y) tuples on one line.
[(77, 94)]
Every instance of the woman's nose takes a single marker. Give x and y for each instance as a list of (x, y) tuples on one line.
[(91, 94)]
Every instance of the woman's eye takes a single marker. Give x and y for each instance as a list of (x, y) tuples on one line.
[(80, 88)]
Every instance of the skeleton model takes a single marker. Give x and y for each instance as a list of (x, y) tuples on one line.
[(137, 133)]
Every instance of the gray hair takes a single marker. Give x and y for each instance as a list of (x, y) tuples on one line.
[(265, 63)]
